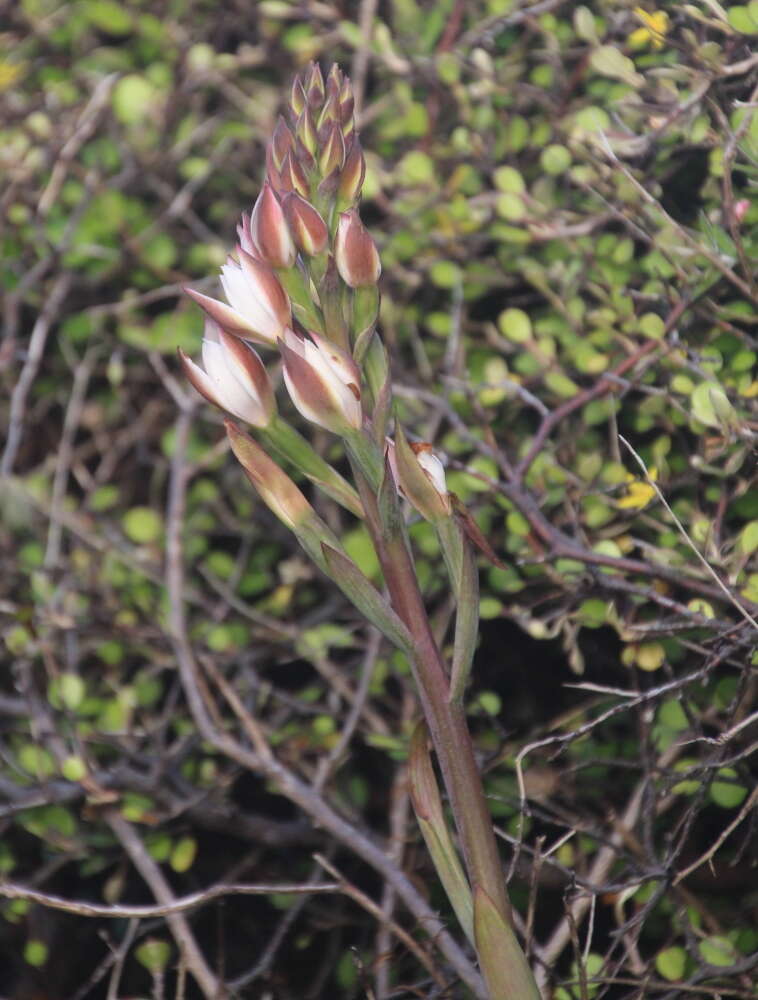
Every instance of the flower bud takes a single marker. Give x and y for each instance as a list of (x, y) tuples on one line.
[(281, 143), (293, 176), (305, 130), (268, 230), (314, 85), (352, 174), (332, 155), (234, 378), (323, 382), (420, 476), (334, 81), (306, 225), (275, 487), (330, 114), (355, 252), (297, 97)]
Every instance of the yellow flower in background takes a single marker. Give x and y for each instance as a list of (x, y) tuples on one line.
[(655, 24), (638, 493), (9, 73)]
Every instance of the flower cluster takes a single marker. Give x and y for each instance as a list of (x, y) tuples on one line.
[(303, 279)]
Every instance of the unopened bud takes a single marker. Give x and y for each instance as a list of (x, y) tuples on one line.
[(323, 382), (293, 176), (314, 86), (347, 121), (297, 97), (306, 225), (741, 208), (268, 230), (332, 156), (275, 487), (282, 142), (234, 378), (334, 81), (352, 174), (421, 477), (330, 113), (306, 132), (355, 252)]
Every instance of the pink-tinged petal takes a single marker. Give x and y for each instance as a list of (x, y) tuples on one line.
[(267, 287), (281, 142), (245, 237), (230, 319), (296, 179), (199, 380), (249, 370), (338, 359), (269, 231), (234, 392), (355, 252), (308, 228), (314, 85), (243, 298), (308, 391)]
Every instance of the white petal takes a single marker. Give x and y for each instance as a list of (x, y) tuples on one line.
[(241, 295), (231, 393), (300, 405), (434, 469)]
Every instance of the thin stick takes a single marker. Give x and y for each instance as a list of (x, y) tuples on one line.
[(682, 530)]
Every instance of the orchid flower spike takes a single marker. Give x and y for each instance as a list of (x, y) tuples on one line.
[(323, 382), (234, 378)]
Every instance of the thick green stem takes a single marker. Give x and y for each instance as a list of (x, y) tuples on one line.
[(446, 720)]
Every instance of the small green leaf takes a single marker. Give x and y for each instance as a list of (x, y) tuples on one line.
[(671, 963), (142, 525), (515, 325), (555, 159), (153, 954), (710, 405), (73, 768), (35, 952), (748, 539), (743, 19), (607, 60), (183, 855), (133, 99), (717, 950), (727, 794)]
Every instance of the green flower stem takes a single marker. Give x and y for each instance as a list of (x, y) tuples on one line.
[(452, 742), (365, 452), (291, 445)]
